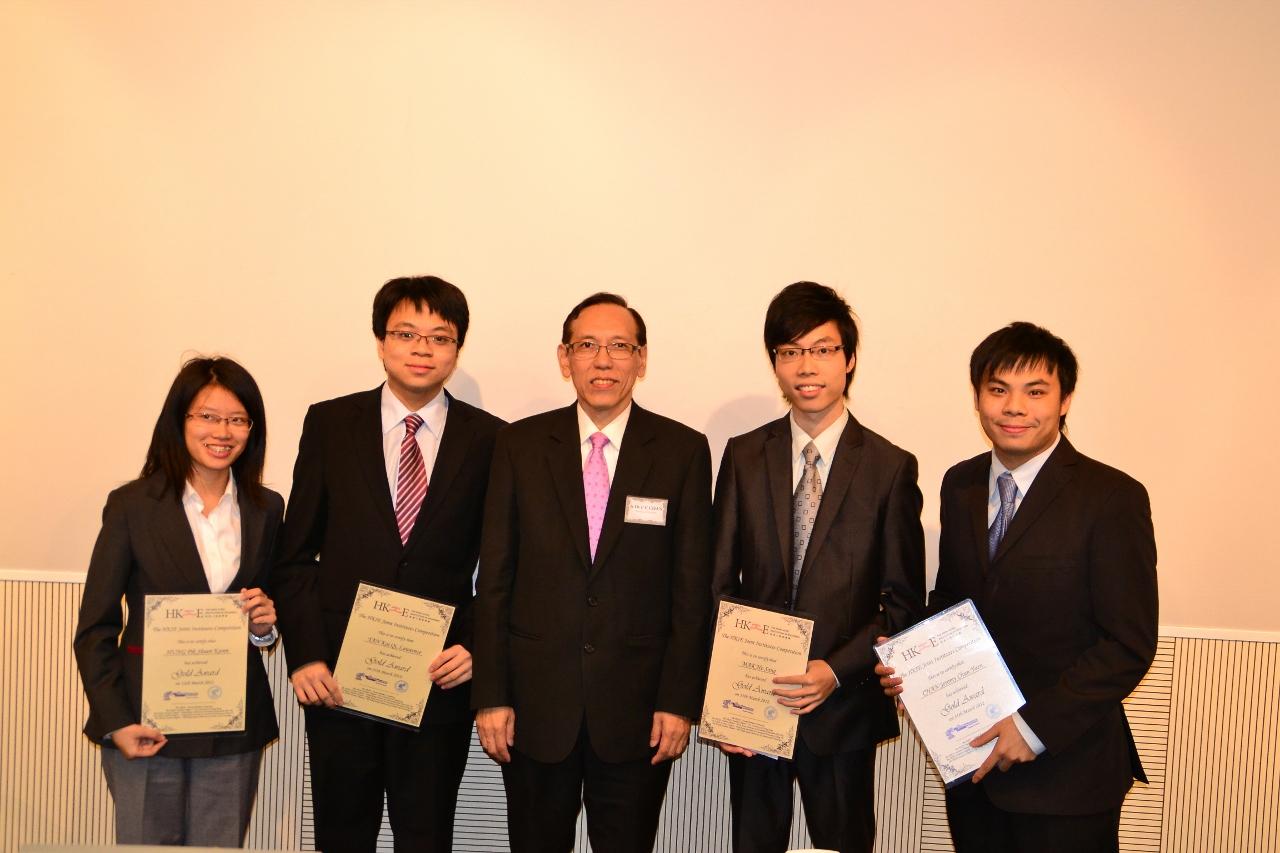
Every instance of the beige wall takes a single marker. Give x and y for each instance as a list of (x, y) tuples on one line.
[(239, 178)]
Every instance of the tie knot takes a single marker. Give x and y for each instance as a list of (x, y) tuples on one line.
[(411, 423), (598, 440), (810, 454), (1008, 488)]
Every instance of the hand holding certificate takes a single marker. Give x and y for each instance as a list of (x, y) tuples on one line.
[(751, 647), (955, 685), (391, 640), (194, 663)]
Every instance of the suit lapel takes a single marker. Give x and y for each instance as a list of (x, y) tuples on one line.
[(252, 522), (976, 495), (450, 457), (777, 455), (564, 461), (839, 475), (634, 460), (366, 442), (1058, 470), (174, 532)]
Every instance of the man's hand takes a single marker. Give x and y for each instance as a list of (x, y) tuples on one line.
[(313, 684), (892, 686), (260, 609), (497, 730), (730, 749), (1010, 748), (451, 667), (812, 688), (670, 734), (138, 741)]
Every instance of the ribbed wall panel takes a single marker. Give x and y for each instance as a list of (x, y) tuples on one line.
[(1224, 768), (1206, 719)]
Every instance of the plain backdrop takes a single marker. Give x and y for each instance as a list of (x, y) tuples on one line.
[(239, 178)]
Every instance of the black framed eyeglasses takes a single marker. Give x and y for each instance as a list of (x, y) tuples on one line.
[(822, 352), (404, 336)]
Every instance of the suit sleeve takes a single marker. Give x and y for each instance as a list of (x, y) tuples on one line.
[(901, 577), (684, 665), (499, 550), (1124, 598), (297, 598), (726, 576), (101, 620)]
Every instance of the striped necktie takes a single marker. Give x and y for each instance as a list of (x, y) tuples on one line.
[(411, 479)]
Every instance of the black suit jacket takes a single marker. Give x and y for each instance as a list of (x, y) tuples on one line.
[(146, 548), (863, 571), (1071, 601), (341, 530), (561, 638)]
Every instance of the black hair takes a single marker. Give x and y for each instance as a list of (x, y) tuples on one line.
[(438, 295), (168, 453), (1019, 346), (802, 307), (603, 299)]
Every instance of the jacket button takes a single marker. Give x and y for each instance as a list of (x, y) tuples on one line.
[(592, 601), (404, 564), (589, 649)]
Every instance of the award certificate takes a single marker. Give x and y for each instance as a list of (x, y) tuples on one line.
[(751, 645), (391, 640), (955, 686), (194, 663)]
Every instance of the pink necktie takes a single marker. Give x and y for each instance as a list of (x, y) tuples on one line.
[(595, 482), (411, 479)]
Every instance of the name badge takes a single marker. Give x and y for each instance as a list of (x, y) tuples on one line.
[(646, 511)]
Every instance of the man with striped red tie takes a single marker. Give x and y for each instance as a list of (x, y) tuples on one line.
[(388, 488)]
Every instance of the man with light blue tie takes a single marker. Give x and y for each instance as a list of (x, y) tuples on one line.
[(1058, 553)]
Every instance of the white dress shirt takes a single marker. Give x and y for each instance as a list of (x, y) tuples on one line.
[(428, 436), (1023, 476), (826, 441), (218, 541), (612, 431)]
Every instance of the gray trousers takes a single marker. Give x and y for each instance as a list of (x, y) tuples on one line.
[(199, 802)]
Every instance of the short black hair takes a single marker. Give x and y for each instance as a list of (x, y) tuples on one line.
[(642, 337), (168, 453), (802, 307), (1023, 345), (435, 293)]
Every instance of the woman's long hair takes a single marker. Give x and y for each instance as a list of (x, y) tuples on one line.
[(168, 453)]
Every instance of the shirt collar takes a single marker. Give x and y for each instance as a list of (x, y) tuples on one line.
[(1025, 473), (192, 499), (826, 441), (613, 431), (433, 414)]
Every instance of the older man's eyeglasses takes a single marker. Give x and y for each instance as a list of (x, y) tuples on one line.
[(618, 350)]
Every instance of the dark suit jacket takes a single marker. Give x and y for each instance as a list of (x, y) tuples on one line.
[(561, 638), (863, 572), (1071, 601), (146, 548), (341, 530)]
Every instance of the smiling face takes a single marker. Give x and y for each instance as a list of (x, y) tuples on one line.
[(416, 371), (214, 447), (815, 387), (1020, 411), (604, 385)]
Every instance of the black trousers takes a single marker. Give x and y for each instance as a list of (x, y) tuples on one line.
[(979, 826), (354, 760), (623, 801), (838, 793)]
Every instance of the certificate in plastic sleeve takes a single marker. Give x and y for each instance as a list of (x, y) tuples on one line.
[(955, 686), (751, 646), (391, 640), (194, 663)]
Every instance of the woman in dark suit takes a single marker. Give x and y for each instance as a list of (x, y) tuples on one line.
[(197, 520)]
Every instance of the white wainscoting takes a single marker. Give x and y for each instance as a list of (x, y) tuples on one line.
[(1206, 719)]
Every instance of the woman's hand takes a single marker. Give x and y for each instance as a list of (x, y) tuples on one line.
[(260, 609)]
